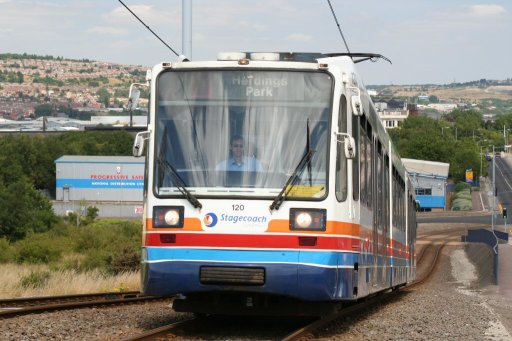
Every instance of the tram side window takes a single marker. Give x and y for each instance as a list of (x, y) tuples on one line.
[(379, 202), (386, 191), (355, 161), (362, 158), (369, 164), (402, 204), (398, 195), (396, 198), (341, 160)]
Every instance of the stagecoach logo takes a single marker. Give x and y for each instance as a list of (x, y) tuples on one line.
[(210, 219)]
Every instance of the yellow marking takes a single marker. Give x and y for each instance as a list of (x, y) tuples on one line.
[(305, 191)]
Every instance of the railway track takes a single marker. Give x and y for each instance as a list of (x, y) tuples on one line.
[(428, 258), (304, 329), (246, 328), (227, 327), (22, 306), (427, 262)]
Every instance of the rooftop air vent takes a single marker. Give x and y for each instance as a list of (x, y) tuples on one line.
[(270, 56), (224, 56)]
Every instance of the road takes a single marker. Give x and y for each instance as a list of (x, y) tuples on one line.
[(503, 180), (503, 171)]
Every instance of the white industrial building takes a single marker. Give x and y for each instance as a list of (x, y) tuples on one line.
[(65, 124), (113, 184), (391, 117)]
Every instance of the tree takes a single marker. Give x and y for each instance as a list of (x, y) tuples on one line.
[(43, 110), (466, 121), (23, 210), (433, 99), (421, 138), (104, 97), (424, 138), (27, 169)]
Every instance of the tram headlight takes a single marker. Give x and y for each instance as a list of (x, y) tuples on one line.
[(168, 216), (307, 219)]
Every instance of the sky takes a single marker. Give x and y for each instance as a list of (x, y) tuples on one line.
[(428, 41)]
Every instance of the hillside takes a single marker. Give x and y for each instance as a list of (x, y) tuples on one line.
[(72, 87), (27, 81), (473, 92)]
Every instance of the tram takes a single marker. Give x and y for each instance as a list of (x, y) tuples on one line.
[(271, 186)]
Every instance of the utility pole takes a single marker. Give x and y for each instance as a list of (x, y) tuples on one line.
[(481, 158), (493, 185), (186, 29)]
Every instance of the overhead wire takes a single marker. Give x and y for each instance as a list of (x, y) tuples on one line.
[(339, 27), (150, 30)]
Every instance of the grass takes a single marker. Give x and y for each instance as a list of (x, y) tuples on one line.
[(100, 256), (28, 280), (462, 198)]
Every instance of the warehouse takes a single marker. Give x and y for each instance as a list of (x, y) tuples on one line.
[(429, 180), (113, 184)]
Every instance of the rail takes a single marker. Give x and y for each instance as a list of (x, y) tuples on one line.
[(23, 306)]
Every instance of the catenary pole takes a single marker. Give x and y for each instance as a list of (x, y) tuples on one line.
[(186, 30)]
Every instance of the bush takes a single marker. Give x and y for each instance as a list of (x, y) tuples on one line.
[(73, 219), (35, 279), (109, 245), (462, 195), (127, 260), (96, 260), (38, 248), (462, 198), (23, 210), (5, 251), (461, 205), (462, 186)]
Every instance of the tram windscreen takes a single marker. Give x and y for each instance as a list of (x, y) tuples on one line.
[(242, 132)]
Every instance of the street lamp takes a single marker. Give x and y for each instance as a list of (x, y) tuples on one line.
[(481, 144), (481, 159), (443, 128), (493, 186), (506, 133)]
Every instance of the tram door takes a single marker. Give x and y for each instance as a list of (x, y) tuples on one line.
[(385, 211), (374, 179), (380, 231)]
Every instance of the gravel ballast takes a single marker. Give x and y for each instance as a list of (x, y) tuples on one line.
[(450, 306)]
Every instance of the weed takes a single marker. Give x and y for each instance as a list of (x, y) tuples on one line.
[(5, 251), (35, 279)]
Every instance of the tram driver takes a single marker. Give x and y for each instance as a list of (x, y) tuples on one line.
[(237, 160)]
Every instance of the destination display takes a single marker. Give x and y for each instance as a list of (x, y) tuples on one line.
[(244, 85)]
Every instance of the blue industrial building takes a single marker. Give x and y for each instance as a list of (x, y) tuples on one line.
[(429, 180), (113, 184)]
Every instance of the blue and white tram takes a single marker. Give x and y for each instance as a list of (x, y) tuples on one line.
[(319, 211)]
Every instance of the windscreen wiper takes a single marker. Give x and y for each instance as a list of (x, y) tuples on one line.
[(306, 160), (290, 182), (178, 181)]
